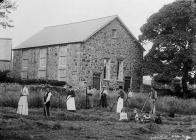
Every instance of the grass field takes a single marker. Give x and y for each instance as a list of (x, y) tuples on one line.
[(96, 123), (90, 124)]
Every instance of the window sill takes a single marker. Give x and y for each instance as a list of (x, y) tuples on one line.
[(120, 81), (61, 67), (106, 80), (42, 68)]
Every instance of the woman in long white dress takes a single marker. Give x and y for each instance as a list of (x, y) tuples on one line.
[(71, 100), (120, 101), (23, 103)]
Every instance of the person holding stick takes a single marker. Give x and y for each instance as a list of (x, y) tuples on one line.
[(153, 98), (47, 97), (23, 103)]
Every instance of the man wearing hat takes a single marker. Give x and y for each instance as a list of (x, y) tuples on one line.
[(103, 97), (47, 97)]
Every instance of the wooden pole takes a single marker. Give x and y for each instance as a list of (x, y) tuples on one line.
[(86, 98)]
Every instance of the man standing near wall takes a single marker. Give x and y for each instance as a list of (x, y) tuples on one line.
[(47, 97)]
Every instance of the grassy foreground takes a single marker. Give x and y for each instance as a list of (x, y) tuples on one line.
[(90, 124)]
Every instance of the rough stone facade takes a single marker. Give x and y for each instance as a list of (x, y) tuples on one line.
[(101, 46), (86, 59)]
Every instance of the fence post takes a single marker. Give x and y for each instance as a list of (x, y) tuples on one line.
[(59, 97)]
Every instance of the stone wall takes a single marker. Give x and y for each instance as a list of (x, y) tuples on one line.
[(83, 60), (73, 64), (72, 69), (52, 62), (101, 46)]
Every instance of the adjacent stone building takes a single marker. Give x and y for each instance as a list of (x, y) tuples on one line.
[(97, 52)]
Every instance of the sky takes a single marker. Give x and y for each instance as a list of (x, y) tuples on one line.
[(33, 15)]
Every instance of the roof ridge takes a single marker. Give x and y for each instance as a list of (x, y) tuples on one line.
[(81, 21)]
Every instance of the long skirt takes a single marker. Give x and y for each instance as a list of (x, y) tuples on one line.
[(71, 103), (22, 106), (119, 105), (152, 106), (89, 101)]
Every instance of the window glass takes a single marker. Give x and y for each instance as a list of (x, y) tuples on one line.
[(63, 51), (42, 57), (24, 74), (42, 74), (61, 74), (62, 61), (114, 33), (43, 53), (24, 63)]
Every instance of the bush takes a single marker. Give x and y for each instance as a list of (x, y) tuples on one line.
[(166, 104), (4, 78)]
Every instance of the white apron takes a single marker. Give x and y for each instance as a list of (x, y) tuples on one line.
[(23, 104), (70, 103), (119, 105), (123, 116)]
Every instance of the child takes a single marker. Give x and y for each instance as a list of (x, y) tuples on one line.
[(158, 119), (146, 117), (136, 115), (123, 115)]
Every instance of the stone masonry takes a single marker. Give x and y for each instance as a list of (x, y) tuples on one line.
[(85, 59), (101, 46)]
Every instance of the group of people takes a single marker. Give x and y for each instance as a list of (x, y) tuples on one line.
[(70, 100), (23, 103)]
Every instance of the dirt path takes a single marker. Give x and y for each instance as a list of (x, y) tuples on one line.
[(87, 124)]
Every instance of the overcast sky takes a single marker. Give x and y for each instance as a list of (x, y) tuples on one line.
[(32, 15)]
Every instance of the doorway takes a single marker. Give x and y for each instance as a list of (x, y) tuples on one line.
[(96, 80), (127, 83)]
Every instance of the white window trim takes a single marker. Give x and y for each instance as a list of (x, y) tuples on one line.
[(24, 68), (62, 66), (40, 76), (118, 76), (108, 72), (43, 57)]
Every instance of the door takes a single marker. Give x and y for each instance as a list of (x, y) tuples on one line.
[(127, 83), (96, 81)]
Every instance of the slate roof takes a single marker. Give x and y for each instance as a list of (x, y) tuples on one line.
[(66, 33)]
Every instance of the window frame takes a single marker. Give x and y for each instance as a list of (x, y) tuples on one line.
[(42, 68), (114, 33), (120, 70), (24, 70), (107, 69), (63, 51)]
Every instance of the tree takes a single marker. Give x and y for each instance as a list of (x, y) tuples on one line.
[(6, 7), (172, 32)]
